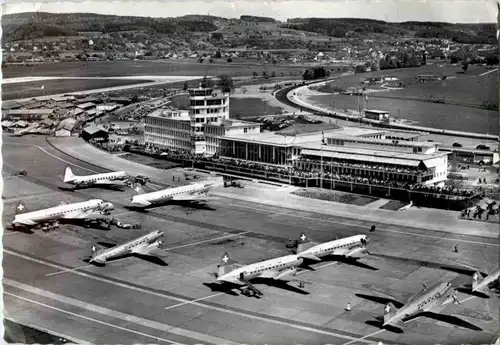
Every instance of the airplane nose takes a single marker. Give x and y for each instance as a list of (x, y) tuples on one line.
[(109, 206)]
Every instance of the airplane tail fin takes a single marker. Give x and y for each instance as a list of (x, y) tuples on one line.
[(389, 311), (91, 251), (21, 208), (477, 279), (302, 243), (139, 189), (226, 264), (68, 175)]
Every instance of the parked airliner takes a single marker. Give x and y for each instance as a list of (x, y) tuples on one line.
[(48, 218), (428, 302), (282, 268), (350, 247), (118, 178), (147, 245), (195, 192)]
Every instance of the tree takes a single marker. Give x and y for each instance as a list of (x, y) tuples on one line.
[(273, 74), (360, 69), (255, 74), (229, 60), (225, 83), (217, 55), (465, 66), (264, 74), (207, 83), (186, 86)]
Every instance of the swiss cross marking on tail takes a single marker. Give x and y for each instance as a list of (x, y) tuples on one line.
[(387, 309), (137, 189), (93, 248), (20, 207), (303, 237), (475, 276), (225, 258)]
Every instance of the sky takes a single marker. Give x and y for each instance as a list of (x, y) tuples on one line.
[(455, 11)]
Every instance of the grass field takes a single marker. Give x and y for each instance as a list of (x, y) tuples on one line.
[(250, 107), (238, 107), (141, 67), (393, 205), (426, 114), (335, 196), (469, 89), (33, 89)]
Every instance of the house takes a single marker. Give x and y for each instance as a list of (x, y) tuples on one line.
[(95, 132), (66, 128)]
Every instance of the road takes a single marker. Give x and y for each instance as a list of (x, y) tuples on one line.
[(133, 301)]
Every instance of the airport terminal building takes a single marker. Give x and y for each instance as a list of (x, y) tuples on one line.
[(375, 154), (351, 151)]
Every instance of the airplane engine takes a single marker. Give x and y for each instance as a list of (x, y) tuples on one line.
[(106, 207), (291, 272), (357, 253)]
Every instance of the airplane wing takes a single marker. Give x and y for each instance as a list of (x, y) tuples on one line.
[(153, 249), (111, 182), (26, 222), (251, 287), (194, 197)]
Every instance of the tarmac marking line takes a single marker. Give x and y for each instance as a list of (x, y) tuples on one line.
[(115, 314), (359, 226), (88, 318), (209, 240), (193, 301), (68, 270), (488, 72), (208, 306), (366, 336)]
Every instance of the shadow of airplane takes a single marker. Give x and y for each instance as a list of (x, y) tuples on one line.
[(152, 259), (186, 204), (216, 287), (337, 258), (229, 288), (450, 319), (468, 290), (106, 187), (452, 268), (380, 300), (378, 323)]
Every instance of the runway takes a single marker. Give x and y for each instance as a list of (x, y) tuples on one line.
[(133, 301)]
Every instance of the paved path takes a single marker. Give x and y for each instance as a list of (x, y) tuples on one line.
[(425, 218)]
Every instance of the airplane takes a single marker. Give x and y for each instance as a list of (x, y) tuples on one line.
[(353, 247), (232, 275), (49, 218), (147, 245), (483, 284), (428, 302), (195, 192), (112, 179)]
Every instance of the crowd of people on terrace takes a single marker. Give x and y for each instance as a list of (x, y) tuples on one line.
[(286, 172), (365, 166)]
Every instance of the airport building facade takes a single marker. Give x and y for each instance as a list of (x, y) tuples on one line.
[(359, 152)]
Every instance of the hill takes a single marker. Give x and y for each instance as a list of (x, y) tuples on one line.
[(30, 25), (366, 28)]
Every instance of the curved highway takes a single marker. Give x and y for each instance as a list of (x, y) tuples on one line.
[(133, 301)]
